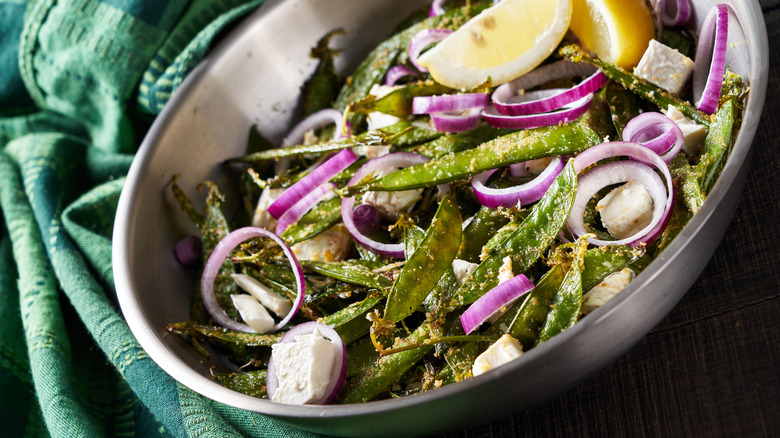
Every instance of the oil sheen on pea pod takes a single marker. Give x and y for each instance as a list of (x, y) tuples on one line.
[(428, 263)]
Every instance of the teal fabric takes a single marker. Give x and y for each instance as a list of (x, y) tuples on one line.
[(81, 83)]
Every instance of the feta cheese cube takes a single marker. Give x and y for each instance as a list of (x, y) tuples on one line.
[(390, 205), (331, 245), (261, 217), (626, 210), (462, 270), (606, 290), (665, 67), (252, 312), (269, 299), (694, 133), (504, 350), (505, 271), (304, 368)]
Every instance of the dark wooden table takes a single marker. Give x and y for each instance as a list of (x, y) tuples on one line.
[(712, 367)]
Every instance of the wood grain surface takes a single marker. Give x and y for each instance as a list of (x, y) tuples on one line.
[(711, 368)]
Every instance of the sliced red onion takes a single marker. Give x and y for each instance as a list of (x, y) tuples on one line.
[(711, 59), (339, 368), (494, 301), (398, 72), (378, 165), (448, 102), (423, 39), (456, 121), (522, 194), (657, 132), (565, 114), (674, 12), (310, 182), (313, 122), (188, 250), (297, 211), (366, 218), (636, 170), (437, 8), (218, 256), (551, 72), (510, 103)]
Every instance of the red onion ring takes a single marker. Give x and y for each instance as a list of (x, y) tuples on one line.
[(678, 14), (711, 59), (397, 72), (340, 367), (460, 121), (297, 211), (396, 159), (422, 40), (508, 102), (522, 194), (188, 250), (327, 170), (448, 102), (657, 132), (551, 72), (218, 256), (591, 183), (314, 121), (493, 301), (565, 114), (437, 8)]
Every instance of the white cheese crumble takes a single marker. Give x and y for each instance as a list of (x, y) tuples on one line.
[(626, 210), (390, 205), (505, 271), (376, 119), (331, 245), (252, 312), (269, 299), (504, 350), (694, 133), (462, 270), (665, 67), (304, 368), (606, 290), (262, 218)]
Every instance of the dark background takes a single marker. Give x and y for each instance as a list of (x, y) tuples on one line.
[(711, 368)]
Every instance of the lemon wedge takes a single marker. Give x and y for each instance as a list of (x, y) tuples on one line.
[(618, 31), (503, 42)]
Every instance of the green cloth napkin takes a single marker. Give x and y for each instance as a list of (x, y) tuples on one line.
[(80, 83)]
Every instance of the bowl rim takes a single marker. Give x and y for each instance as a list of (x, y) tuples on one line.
[(174, 366)]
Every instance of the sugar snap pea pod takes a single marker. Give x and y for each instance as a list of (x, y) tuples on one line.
[(251, 383), (429, 261), (644, 89), (717, 145), (320, 218), (680, 40), (349, 272), (602, 261), (223, 335), (686, 184), (680, 217), (362, 355), (319, 92), (413, 235), (527, 243), (598, 116), (505, 150), (399, 101), (458, 142), (567, 305), (485, 223), (401, 134), (186, 204), (623, 106), (376, 379), (350, 322)]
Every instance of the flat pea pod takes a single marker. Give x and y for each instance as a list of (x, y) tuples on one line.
[(321, 89), (567, 305), (223, 335), (505, 150), (485, 223), (458, 142), (680, 217), (251, 383), (399, 101), (623, 106), (686, 184), (602, 261), (320, 218), (348, 272), (350, 322), (527, 243), (717, 145), (598, 117), (429, 261), (362, 355)]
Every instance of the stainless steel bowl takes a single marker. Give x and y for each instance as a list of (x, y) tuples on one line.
[(253, 77)]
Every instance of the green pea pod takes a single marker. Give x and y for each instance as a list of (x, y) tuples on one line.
[(413, 236), (567, 305), (717, 145), (432, 257), (349, 272), (223, 335), (321, 89), (458, 142), (399, 101), (642, 88), (518, 146), (598, 117), (320, 218), (362, 355), (483, 226), (686, 185), (680, 40), (680, 218), (602, 261), (350, 322), (527, 243), (526, 319), (623, 106), (251, 383)]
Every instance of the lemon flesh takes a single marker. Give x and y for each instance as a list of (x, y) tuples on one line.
[(505, 41), (618, 31)]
